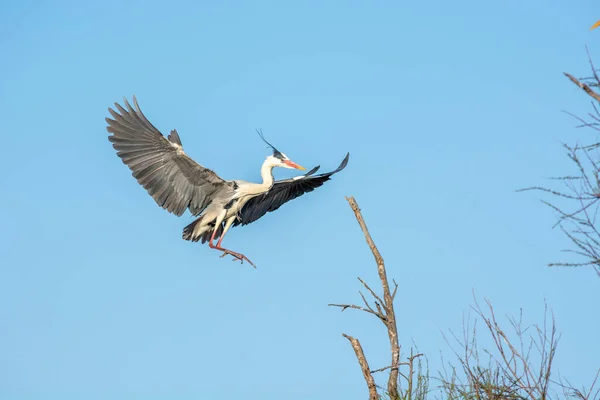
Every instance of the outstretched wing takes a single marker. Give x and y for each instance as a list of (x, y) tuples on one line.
[(174, 180), (282, 192)]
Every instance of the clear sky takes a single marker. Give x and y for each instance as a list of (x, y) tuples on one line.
[(445, 107)]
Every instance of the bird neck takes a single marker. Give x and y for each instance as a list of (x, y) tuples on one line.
[(266, 172)]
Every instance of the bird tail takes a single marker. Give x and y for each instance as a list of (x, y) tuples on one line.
[(190, 233)]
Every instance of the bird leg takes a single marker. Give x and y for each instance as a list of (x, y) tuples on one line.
[(238, 256)]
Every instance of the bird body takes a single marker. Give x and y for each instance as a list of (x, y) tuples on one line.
[(228, 204), (177, 183)]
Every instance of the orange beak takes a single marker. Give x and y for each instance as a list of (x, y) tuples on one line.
[(294, 165)]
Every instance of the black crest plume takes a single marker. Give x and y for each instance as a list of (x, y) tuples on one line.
[(276, 153)]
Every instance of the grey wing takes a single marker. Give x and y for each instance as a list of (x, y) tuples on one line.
[(174, 180)]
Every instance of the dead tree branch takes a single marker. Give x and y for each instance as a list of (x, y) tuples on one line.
[(578, 203), (583, 86), (384, 308), (364, 366)]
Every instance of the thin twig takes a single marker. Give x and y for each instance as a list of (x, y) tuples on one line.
[(345, 306)]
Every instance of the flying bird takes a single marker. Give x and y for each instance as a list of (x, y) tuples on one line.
[(177, 183)]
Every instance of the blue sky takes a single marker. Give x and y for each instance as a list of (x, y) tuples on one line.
[(445, 107)]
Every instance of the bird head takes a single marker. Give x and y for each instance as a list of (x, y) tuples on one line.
[(278, 159)]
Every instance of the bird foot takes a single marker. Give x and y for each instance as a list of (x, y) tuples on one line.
[(237, 256)]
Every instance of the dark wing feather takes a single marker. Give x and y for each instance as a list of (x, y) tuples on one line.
[(282, 192), (174, 180)]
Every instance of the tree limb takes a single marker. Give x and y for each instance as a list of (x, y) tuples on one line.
[(364, 366), (387, 302), (345, 306), (583, 86)]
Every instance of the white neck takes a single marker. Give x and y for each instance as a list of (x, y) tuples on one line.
[(266, 172)]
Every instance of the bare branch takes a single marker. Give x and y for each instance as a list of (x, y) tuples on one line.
[(345, 306), (384, 368), (387, 303), (395, 290), (370, 290), (362, 296), (583, 86), (520, 362), (364, 366), (583, 190)]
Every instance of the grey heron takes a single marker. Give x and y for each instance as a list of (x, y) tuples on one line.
[(177, 183)]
